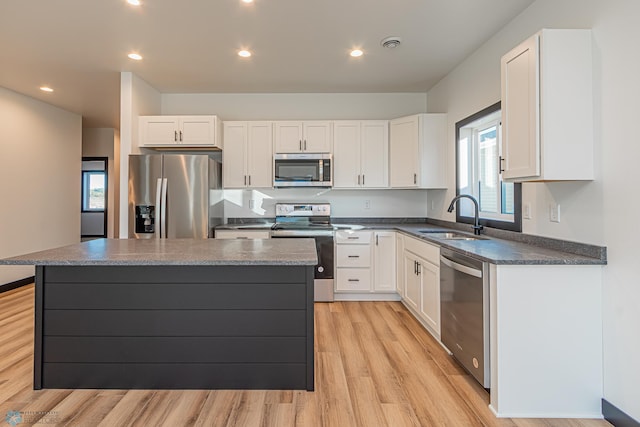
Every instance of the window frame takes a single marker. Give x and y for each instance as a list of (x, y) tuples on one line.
[(516, 224)]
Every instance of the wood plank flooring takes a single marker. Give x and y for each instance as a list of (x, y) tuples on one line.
[(375, 366)]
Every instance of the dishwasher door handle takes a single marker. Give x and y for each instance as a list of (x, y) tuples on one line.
[(461, 268)]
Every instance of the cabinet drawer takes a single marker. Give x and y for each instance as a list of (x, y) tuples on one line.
[(242, 234), (425, 250), (353, 255), (353, 279), (353, 237)]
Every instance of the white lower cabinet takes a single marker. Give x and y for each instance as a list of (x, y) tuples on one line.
[(421, 261), (242, 234), (365, 265), (384, 261)]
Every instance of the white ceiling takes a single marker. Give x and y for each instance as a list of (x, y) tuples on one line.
[(79, 47)]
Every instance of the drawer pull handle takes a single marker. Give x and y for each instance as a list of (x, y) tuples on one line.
[(353, 237), (354, 280), (354, 256)]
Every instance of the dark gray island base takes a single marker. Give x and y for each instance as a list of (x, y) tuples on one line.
[(242, 326)]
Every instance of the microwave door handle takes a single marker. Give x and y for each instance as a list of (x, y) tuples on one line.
[(163, 211), (158, 211)]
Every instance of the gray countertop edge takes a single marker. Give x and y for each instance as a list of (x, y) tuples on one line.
[(509, 248), (157, 263)]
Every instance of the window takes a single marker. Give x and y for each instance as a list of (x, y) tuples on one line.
[(478, 151), (93, 191)]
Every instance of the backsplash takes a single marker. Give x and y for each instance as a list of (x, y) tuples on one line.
[(260, 203)]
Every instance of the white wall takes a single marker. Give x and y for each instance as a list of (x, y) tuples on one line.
[(603, 211), (103, 142), (344, 203), (40, 158), (137, 98), (296, 106)]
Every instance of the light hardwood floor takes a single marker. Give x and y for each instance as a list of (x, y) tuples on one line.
[(375, 366)]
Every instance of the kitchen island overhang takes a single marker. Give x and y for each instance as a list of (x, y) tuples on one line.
[(174, 314)]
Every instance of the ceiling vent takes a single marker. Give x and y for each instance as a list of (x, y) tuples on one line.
[(391, 42)]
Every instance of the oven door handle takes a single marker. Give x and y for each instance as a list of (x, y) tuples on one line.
[(461, 268)]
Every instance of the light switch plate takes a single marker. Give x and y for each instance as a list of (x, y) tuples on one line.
[(526, 211), (554, 213)]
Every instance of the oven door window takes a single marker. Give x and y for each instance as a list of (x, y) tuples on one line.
[(297, 170)]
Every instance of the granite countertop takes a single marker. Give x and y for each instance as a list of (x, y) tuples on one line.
[(497, 247), (175, 252)]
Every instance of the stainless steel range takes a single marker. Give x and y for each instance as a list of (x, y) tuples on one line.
[(310, 220)]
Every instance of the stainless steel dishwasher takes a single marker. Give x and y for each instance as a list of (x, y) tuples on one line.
[(464, 305)]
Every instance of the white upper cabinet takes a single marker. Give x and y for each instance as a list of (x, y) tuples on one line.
[(361, 154), (303, 137), (248, 154), (547, 108), (179, 131), (418, 152)]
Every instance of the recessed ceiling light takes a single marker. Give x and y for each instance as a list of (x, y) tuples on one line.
[(356, 52), (244, 53), (135, 56), (134, 2), (247, 1), (46, 89)]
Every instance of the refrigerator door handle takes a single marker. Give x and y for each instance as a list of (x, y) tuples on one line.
[(163, 210), (158, 211)]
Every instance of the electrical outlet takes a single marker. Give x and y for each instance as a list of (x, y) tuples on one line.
[(252, 203), (367, 204), (433, 205), (526, 211), (554, 213)]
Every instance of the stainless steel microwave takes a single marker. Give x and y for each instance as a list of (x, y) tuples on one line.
[(302, 170)]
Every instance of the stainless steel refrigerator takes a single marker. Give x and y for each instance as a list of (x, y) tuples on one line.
[(174, 196)]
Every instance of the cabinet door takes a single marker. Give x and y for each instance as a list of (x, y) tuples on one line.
[(520, 111), (384, 261), (404, 152), (429, 276), (234, 154), (158, 130), (412, 284), (346, 155), (288, 137), (317, 137), (197, 130), (260, 155), (374, 154)]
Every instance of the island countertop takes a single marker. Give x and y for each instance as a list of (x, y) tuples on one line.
[(175, 252)]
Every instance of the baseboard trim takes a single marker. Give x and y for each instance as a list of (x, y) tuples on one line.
[(616, 417), (17, 284)]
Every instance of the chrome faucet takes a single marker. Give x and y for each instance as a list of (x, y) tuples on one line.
[(477, 228)]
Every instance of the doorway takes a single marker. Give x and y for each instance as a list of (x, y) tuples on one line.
[(93, 223)]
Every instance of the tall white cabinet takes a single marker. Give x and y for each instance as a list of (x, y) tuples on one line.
[(361, 154), (418, 154), (248, 154), (547, 108)]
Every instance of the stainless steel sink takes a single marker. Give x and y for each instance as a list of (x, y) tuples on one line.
[(450, 235)]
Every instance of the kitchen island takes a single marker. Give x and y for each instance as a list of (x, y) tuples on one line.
[(174, 314)]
